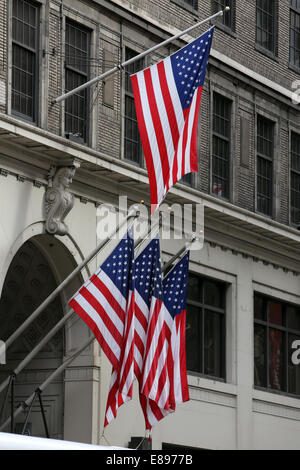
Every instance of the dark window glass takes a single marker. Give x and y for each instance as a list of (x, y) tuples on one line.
[(221, 146), (205, 327), (260, 355), (76, 73), (295, 178), (295, 33), (132, 141), (265, 24), (265, 148), (191, 3), (227, 17), (24, 58), (276, 327)]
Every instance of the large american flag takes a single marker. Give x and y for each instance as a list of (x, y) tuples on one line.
[(106, 304), (167, 100), (174, 291)]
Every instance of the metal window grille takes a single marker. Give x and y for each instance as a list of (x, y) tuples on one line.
[(221, 146), (265, 150), (227, 18), (295, 33), (265, 24), (76, 73), (205, 326), (191, 3), (24, 58), (132, 141), (295, 178)]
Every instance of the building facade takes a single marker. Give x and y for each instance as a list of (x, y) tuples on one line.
[(243, 305)]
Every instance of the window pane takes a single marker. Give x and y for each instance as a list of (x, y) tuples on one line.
[(293, 317), (194, 289), (221, 146), (265, 24), (295, 38), (226, 18), (213, 294), (276, 356), (213, 341), (132, 141), (265, 149), (293, 369), (194, 339), (259, 307), (275, 314), (259, 356), (24, 57), (77, 59)]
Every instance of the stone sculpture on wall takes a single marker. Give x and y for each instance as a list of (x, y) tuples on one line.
[(58, 200)]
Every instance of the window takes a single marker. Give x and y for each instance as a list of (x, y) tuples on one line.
[(132, 141), (76, 73), (227, 18), (205, 327), (221, 145), (265, 24), (265, 150), (295, 178), (295, 33), (276, 327), (190, 3), (24, 58)]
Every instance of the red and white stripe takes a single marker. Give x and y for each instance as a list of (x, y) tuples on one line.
[(155, 383), (102, 307), (121, 384), (168, 133)]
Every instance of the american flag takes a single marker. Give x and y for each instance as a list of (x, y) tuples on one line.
[(152, 331), (174, 291), (167, 100), (106, 304)]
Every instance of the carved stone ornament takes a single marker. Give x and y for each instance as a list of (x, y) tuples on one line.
[(58, 200)]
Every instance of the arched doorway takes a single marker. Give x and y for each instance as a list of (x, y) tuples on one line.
[(29, 280)]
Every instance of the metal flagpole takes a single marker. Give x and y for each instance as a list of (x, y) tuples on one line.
[(180, 253), (50, 334), (45, 384), (133, 214), (68, 361), (135, 58)]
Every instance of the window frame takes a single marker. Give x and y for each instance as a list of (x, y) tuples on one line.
[(267, 159), (34, 118), (186, 5), (273, 52), (296, 11), (296, 172), (286, 330), (217, 5), (222, 311), (67, 67), (227, 140), (140, 64)]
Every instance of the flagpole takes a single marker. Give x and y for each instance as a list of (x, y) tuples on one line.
[(68, 361), (180, 253), (56, 328), (135, 58), (49, 379), (133, 214)]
